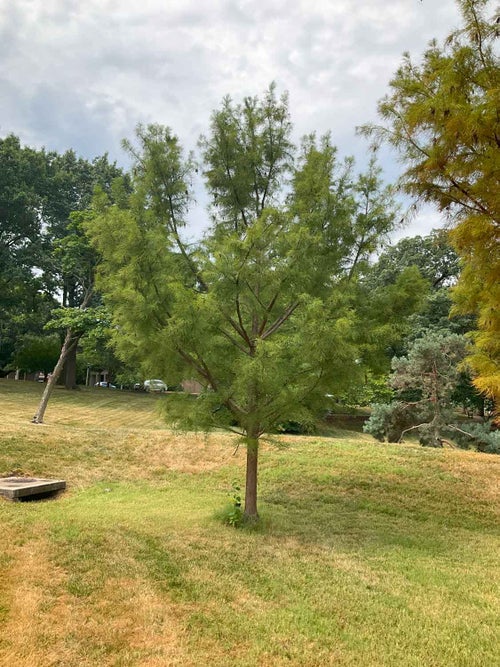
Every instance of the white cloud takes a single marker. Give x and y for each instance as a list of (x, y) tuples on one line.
[(83, 74)]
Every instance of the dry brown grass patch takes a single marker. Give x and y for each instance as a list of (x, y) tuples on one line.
[(34, 627), (125, 623), (479, 472)]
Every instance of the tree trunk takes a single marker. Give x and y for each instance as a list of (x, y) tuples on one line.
[(70, 368), (251, 479), (67, 345)]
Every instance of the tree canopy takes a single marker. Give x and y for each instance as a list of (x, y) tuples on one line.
[(45, 259), (24, 303), (262, 312), (424, 380), (442, 115)]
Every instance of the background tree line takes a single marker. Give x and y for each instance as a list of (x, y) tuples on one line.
[(46, 263)]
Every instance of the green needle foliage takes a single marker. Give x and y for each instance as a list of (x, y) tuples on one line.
[(425, 380), (442, 117), (262, 311)]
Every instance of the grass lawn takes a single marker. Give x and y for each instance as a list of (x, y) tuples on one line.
[(368, 554)]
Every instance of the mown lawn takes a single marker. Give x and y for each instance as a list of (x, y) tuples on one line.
[(367, 554)]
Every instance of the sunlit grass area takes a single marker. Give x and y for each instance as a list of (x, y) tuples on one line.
[(367, 554)]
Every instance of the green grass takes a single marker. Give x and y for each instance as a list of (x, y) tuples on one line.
[(366, 554)]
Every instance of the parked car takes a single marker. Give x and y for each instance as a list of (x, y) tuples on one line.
[(105, 385), (155, 386)]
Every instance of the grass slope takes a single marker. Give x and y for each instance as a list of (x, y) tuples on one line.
[(368, 554)]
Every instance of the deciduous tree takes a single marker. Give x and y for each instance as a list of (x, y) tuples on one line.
[(38, 353), (69, 261), (262, 311), (24, 302), (442, 115)]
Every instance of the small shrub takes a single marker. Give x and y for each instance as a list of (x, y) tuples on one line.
[(388, 420), (376, 424), (296, 427), (481, 437)]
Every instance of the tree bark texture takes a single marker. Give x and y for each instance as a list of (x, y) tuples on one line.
[(70, 368), (251, 479), (69, 341)]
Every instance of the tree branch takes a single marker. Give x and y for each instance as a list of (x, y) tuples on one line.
[(281, 320), (233, 341), (412, 428)]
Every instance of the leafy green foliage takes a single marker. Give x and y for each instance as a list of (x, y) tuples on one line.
[(430, 266), (79, 320), (468, 397), (24, 306), (384, 315), (234, 516), (442, 116), (433, 255), (45, 260), (38, 353)]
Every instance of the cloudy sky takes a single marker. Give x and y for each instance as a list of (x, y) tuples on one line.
[(81, 74)]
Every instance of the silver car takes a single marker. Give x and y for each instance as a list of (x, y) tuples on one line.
[(155, 386)]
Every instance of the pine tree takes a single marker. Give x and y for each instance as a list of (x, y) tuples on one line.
[(442, 115), (261, 311)]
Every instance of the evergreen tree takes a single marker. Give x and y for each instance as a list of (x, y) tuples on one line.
[(262, 311), (424, 380)]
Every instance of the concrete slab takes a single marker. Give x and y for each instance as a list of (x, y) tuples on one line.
[(16, 488)]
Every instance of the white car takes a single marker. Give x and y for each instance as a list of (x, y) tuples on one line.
[(156, 386)]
